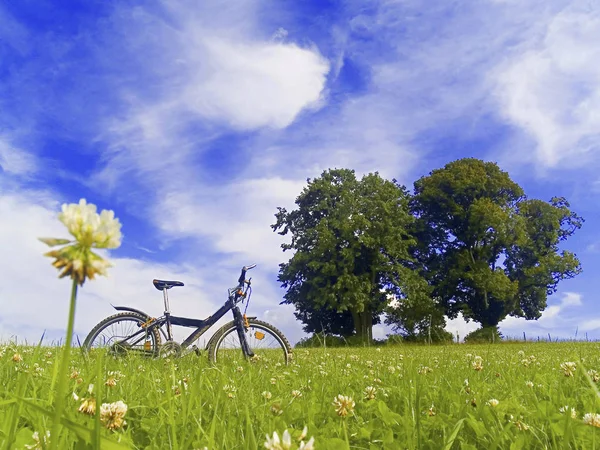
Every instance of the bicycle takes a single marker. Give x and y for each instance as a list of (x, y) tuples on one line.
[(140, 333)]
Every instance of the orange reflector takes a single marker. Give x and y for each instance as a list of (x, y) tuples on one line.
[(147, 345), (258, 335)]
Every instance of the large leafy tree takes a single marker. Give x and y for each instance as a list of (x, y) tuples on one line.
[(486, 250), (351, 248)]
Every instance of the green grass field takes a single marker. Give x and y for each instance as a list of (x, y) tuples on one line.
[(506, 396)]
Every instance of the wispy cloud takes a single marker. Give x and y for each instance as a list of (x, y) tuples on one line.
[(550, 90), (16, 161)]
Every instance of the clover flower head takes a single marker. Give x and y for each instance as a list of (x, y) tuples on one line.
[(370, 392), (38, 442), (492, 402), (88, 406), (568, 410), (344, 405), (568, 368), (112, 414), (592, 419), (90, 230)]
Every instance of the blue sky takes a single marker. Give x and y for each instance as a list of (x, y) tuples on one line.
[(193, 121)]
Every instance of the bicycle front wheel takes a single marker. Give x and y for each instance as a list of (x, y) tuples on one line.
[(266, 342), (123, 333)]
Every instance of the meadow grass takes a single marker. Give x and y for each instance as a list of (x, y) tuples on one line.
[(503, 396)]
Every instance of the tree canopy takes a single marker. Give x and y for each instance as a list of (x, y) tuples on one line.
[(485, 249), (351, 241)]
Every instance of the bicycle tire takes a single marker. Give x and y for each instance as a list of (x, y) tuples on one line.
[(120, 317), (217, 341)]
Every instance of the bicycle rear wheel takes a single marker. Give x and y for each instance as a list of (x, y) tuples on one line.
[(267, 342), (122, 333)]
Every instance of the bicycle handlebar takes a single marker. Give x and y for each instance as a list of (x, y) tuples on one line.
[(244, 270)]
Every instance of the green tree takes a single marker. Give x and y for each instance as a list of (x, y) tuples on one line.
[(351, 244), (486, 250)]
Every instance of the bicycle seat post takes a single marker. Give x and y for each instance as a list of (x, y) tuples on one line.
[(166, 299)]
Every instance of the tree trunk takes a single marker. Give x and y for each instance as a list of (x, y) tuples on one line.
[(363, 325)]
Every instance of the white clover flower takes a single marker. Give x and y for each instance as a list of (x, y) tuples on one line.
[(568, 368), (344, 405), (477, 363), (492, 402), (592, 419), (370, 392), (38, 445), (566, 409), (529, 384), (296, 394), (112, 414), (90, 230), (310, 445)]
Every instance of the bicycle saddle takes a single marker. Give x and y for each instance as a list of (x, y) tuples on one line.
[(162, 284)]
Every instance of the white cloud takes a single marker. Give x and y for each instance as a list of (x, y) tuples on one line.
[(16, 161), (460, 326), (559, 319), (236, 218), (33, 299), (551, 89), (252, 85)]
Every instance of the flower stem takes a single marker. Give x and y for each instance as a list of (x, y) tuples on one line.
[(59, 399)]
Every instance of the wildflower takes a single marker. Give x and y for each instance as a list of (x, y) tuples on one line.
[(230, 389), (592, 419), (276, 409), (273, 380), (17, 357), (88, 406), (267, 395), (344, 405), (369, 392), (521, 426), (90, 230), (378, 350), (431, 411), (111, 414), (423, 370), (594, 375), (492, 402), (308, 446), (304, 433), (529, 384), (568, 368), (111, 382), (478, 363), (566, 409), (275, 444), (239, 369), (296, 394), (521, 354), (74, 374), (38, 445)]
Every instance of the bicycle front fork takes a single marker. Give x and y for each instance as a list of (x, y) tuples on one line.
[(241, 330)]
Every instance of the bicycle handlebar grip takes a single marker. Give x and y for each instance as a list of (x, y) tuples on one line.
[(244, 269)]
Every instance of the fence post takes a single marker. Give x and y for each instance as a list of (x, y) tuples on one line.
[(524, 337)]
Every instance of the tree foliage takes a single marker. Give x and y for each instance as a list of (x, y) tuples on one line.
[(351, 244), (486, 250)]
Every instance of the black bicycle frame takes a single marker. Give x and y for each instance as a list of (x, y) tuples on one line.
[(202, 325)]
